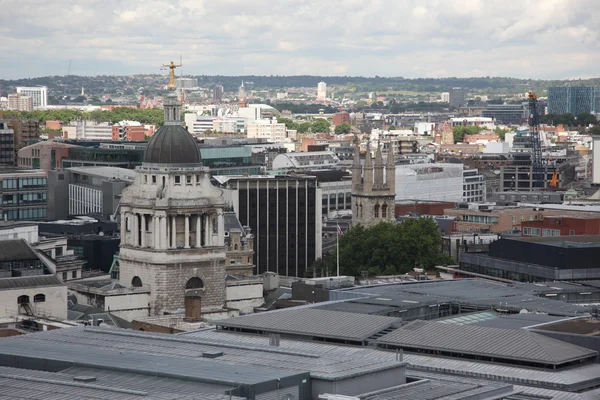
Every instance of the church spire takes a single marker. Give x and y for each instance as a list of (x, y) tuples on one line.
[(368, 173), (356, 167), (390, 170), (378, 181)]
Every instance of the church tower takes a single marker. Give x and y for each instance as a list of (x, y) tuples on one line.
[(373, 188), (172, 225)]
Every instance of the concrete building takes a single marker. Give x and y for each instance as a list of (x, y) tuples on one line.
[(473, 186), (509, 114), (20, 102), (24, 195), (267, 129), (46, 155), (7, 144), (39, 95), (456, 98), (321, 91), (186, 83), (304, 161), (438, 182), (284, 214), (373, 191), (91, 191), (93, 130), (445, 97), (218, 93), (172, 225)]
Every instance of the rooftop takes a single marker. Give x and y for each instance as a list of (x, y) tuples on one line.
[(16, 250), (106, 172), (29, 282)]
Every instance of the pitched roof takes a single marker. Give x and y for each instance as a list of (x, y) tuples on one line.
[(496, 343), (29, 281), (16, 250), (314, 322)]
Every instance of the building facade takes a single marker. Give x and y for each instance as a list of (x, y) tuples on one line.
[(93, 130), (473, 186), (172, 225), (47, 155), (509, 114), (573, 99), (20, 102), (267, 129), (218, 93), (562, 226), (39, 95), (284, 214), (373, 189), (457, 97), (321, 91), (7, 144), (23, 195)]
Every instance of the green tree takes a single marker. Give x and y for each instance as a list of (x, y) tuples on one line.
[(343, 128), (387, 248), (586, 119), (501, 133), (321, 126), (459, 132), (595, 130), (303, 127), (289, 124)]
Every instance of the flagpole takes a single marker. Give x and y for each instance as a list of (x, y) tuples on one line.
[(338, 249)]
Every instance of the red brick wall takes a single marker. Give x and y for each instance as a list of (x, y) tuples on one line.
[(423, 208), (580, 226)]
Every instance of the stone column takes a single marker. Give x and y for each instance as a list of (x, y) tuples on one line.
[(221, 228), (186, 239), (143, 231), (155, 236), (174, 231), (207, 230), (163, 232), (136, 229), (123, 227), (198, 231)]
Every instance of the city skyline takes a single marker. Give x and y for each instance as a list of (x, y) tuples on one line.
[(410, 39)]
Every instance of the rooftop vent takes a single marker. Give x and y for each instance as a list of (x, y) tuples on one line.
[(84, 379), (212, 354)]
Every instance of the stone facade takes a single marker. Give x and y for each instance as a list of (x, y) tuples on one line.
[(373, 198)]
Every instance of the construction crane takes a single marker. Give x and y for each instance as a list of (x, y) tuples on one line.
[(66, 82), (536, 155)]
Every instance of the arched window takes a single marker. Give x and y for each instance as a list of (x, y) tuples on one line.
[(384, 210), (23, 299), (360, 213), (235, 246), (194, 283), (376, 211), (39, 298), (136, 282)]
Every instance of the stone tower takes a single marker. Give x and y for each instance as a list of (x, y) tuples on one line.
[(372, 195), (172, 225)]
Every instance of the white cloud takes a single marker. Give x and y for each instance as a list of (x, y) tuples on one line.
[(537, 39)]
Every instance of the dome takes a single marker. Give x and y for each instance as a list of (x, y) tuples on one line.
[(172, 144)]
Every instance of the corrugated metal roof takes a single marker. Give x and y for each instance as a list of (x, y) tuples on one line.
[(314, 322), (358, 308), (519, 345), (29, 281)]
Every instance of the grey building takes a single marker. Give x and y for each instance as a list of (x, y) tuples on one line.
[(510, 114), (573, 99), (93, 191), (457, 97), (23, 195)]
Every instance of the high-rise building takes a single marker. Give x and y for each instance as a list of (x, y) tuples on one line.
[(38, 94), (267, 129), (7, 144), (445, 97), (321, 91), (218, 93), (20, 102), (457, 97), (373, 198), (573, 99), (186, 83), (284, 213)]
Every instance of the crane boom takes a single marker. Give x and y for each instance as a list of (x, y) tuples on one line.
[(536, 155)]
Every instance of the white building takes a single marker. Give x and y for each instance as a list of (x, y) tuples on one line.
[(473, 186), (20, 102), (38, 94), (92, 130), (596, 160), (321, 91), (483, 122), (267, 129), (438, 182), (445, 97), (186, 83), (305, 161), (225, 125)]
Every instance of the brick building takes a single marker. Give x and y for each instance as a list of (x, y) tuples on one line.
[(340, 118), (563, 226), (422, 207)]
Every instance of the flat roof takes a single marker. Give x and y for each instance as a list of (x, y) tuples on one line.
[(106, 172), (313, 322), (495, 343), (562, 241)]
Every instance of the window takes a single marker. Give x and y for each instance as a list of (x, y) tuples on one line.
[(376, 211), (145, 178), (188, 179), (64, 276), (514, 220), (384, 211), (74, 275), (153, 178), (194, 283), (136, 282), (59, 251), (571, 232), (39, 298), (522, 218)]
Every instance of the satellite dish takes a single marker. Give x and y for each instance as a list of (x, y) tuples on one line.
[(524, 311)]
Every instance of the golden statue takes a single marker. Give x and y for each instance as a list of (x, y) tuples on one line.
[(172, 67)]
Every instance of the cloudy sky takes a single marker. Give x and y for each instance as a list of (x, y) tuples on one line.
[(425, 38)]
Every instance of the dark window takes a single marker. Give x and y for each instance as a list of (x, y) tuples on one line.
[(39, 298), (194, 283), (177, 179), (136, 282), (23, 299), (74, 275)]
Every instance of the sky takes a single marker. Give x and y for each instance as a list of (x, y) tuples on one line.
[(539, 39)]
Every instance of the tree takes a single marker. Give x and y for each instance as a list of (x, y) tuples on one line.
[(459, 132), (586, 119), (289, 124), (501, 133), (387, 248), (321, 126), (594, 130), (343, 128)]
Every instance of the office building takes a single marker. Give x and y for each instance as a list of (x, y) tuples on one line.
[(91, 191), (321, 91), (20, 102), (445, 97), (186, 83), (373, 188), (438, 182), (573, 99), (457, 97), (93, 130), (218, 93), (508, 114), (115, 154), (268, 129), (46, 155), (7, 144), (24, 195), (39, 95), (284, 214), (303, 161), (473, 186)]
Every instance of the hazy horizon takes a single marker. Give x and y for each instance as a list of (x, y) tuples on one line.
[(544, 39)]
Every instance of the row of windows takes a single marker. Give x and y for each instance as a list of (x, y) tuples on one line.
[(24, 198), (25, 214), (23, 183)]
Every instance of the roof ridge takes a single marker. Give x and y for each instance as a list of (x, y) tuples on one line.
[(534, 336)]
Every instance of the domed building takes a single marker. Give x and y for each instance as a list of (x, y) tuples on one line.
[(172, 225)]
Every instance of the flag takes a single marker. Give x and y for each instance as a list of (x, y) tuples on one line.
[(339, 230)]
